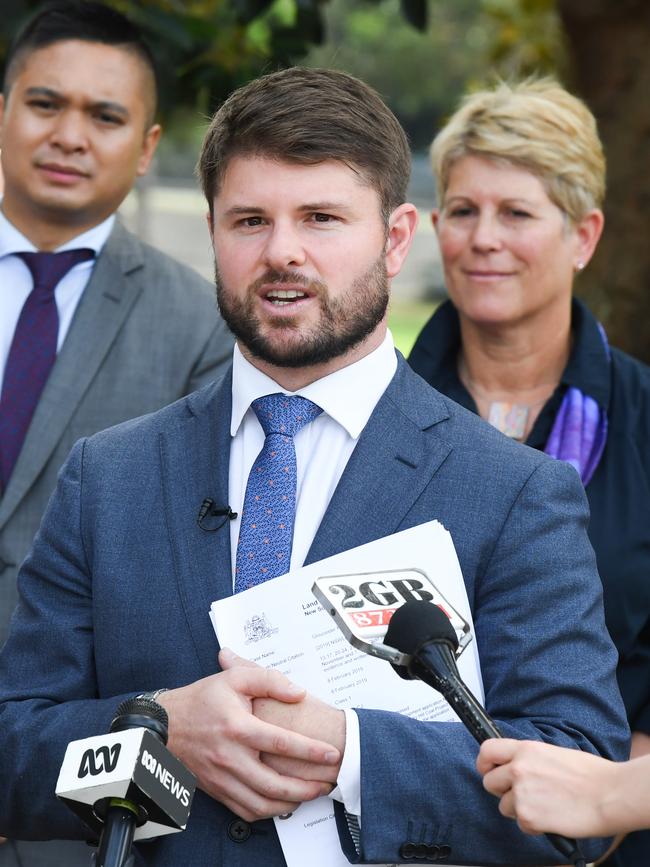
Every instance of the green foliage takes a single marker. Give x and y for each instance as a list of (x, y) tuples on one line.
[(527, 37), (421, 75)]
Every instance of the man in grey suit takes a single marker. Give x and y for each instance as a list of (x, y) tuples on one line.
[(135, 330), (318, 440)]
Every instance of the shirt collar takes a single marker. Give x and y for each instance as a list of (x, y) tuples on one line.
[(13, 241), (348, 395), (588, 367)]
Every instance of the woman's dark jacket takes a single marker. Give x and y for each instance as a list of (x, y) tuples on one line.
[(618, 493)]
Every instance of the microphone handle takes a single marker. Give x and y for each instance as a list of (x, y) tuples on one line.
[(117, 836), (479, 725), (470, 712)]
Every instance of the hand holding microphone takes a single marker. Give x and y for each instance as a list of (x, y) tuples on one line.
[(543, 786), (424, 634)]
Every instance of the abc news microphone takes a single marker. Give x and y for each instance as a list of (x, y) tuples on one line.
[(420, 640), (126, 785)]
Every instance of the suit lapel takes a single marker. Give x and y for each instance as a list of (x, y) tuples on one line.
[(195, 457), (392, 463), (394, 460), (104, 305)]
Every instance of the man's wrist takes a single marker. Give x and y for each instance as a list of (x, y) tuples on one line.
[(153, 696)]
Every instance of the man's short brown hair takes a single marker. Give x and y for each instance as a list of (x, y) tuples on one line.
[(308, 116)]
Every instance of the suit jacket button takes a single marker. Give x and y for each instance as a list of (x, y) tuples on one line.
[(239, 831), (433, 853), (421, 851), (444, 851), (407, 851)]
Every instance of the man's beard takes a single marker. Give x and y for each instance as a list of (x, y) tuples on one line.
[(343, 324)]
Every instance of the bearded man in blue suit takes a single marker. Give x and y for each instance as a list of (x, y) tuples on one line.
[(305, 174)]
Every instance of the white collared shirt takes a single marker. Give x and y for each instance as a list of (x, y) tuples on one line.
[(16, 280), (348, 398)]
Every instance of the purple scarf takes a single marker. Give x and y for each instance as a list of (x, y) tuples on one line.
[(579, 431)]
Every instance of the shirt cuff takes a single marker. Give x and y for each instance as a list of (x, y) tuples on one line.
[(348, 788)]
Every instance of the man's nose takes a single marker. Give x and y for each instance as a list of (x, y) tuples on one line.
[(285, 247), (70, 132)]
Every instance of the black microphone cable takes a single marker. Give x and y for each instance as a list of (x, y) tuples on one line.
[(423, 631)]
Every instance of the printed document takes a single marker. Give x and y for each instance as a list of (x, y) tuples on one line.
[(279, 624)]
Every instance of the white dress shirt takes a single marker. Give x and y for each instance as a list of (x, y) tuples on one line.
[(16, 280), (347, 397)]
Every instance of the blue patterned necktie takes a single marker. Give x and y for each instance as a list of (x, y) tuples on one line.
[(32, 352), (266, 533)]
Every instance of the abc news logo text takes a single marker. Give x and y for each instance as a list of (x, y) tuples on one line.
[(99, 761), (105, 759)]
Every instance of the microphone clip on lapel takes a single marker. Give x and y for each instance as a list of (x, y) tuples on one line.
[(211, 517)]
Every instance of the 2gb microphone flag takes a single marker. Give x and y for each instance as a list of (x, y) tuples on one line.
[(362, 605)]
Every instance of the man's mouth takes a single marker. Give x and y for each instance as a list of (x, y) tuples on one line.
[(61, 173), (282, 297)]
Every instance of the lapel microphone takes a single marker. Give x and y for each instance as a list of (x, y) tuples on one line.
[(211, 517)]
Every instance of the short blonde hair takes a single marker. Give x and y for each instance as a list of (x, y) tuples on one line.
[(535, 124)]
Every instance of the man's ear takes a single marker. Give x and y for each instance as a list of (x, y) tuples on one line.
[(151, 139), (402, 224)]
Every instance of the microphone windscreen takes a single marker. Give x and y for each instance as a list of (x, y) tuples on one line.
[(140, 712), (143, 707), (417, 623)]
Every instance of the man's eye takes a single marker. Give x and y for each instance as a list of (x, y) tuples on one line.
[(251, 222), (323, 218), (42, 104), (110, 119), (461, 211)]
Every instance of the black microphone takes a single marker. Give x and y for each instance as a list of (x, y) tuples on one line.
[(209, 515), (423, 632), (137, 788), (122, 815)]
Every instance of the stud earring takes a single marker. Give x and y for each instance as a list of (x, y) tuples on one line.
[(580, 266)]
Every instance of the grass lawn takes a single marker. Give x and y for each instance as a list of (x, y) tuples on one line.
[(405, 320)]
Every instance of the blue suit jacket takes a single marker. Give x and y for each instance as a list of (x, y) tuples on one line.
[(114, 600)]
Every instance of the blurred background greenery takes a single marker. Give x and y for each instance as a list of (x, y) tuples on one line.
[(422, 55)]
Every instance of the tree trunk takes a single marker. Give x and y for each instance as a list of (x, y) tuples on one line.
[(609, 46)]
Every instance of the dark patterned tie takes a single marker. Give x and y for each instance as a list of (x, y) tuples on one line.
[(266, 533), (32, 352)]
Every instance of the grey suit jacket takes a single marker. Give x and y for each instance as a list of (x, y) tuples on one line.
[(146, 332), (115, 594)]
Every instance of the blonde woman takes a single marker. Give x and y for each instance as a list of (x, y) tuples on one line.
[(520, 176)]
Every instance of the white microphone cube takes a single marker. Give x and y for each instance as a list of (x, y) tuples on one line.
[(133, 765)]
